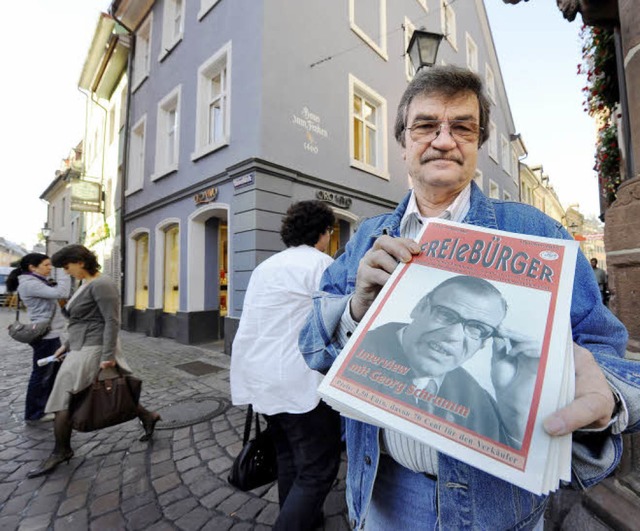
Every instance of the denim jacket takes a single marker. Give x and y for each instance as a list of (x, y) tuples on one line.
[(466, 495)]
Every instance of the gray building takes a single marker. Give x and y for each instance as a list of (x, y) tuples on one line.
[(239, 108)]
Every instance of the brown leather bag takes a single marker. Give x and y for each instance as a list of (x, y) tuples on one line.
[(105, 403)]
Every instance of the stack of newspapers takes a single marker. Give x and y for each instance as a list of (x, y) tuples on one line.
[(467, 349)]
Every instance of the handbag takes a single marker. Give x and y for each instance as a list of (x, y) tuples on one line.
[(105, 403), (29, 332), (256, 464)]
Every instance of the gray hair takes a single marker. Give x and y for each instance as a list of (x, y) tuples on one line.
[(448, 81)]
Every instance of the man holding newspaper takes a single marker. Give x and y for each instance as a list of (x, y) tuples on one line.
[(394, 482)]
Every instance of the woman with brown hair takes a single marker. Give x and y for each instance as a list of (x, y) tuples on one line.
[(92, 346)]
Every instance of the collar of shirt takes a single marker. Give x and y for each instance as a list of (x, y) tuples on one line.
[(423, 381), (412, 221)]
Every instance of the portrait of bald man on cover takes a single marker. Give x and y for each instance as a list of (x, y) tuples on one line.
[(449, 325)]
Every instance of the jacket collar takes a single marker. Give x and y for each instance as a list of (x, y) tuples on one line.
[(481, 213)]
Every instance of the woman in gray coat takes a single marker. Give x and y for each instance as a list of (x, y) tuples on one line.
[(94, 322)]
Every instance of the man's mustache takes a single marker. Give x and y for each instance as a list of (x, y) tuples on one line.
[(428, 157)]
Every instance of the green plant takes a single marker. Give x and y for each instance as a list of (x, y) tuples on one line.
[(608, 161), (601, 99)]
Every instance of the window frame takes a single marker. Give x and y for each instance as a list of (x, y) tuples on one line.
[(360, 89), (494, 186), (205, 7), (490, 82), (478, 177), (447, 18), (219, 62), (505, 154), (409, 28), (170, 103), (137, 157), (472, 53), (141, 71), (380, 49), (493, 141), (170, 38)]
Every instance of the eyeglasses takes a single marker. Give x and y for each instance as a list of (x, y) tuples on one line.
[(472, 328), (462, 131)]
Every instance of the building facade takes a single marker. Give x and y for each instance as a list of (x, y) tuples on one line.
[(237, 109)]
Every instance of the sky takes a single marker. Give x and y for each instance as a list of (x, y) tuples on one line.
[(539, 52), (44, 48)]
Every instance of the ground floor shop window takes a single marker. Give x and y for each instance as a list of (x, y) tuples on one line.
[(142, 272), (171, 270)]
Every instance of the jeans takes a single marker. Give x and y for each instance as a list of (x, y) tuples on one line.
[(42, 378), (401, 499), (308, 447)]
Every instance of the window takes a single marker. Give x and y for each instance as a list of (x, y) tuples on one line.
[(368, 129), (142, 273), (448, 19), (142, 55), (112, 124), (205, 7), (494, 190), (370, 24), (409, 28), (63, 212), (172, 26), (168, 134), (506, 154), (135, 177), (212, 116), (171, 270), (493, 141), (472, 54), (506, 196), (53, 217), (479, 179), (491, 83), (123, 106), (515, 166)]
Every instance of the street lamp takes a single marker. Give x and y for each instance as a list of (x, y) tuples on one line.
[(46, 232), (423, 48)]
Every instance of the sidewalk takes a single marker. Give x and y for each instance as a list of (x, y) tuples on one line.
[(178, 481)]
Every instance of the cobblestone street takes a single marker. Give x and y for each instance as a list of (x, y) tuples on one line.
[(178, 481)]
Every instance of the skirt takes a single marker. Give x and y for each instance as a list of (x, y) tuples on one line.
[(78, 371)]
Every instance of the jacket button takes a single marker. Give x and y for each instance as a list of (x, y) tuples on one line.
[(367, 460)]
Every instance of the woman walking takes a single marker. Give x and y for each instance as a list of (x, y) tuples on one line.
[(40, 296), (93, 345)]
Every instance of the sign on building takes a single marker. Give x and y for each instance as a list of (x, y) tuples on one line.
[(86, 196)]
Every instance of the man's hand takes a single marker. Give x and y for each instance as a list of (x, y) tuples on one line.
[(514, 367), (593, 404), (375, 268)]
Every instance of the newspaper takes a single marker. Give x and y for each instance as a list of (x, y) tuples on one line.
[(468, 348)]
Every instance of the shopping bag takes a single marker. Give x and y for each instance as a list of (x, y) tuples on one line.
[(105, 403), (256, 464)]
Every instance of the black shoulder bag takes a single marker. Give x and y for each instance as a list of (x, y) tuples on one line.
[(256, 464)]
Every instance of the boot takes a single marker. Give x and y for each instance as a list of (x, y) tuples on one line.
[(50, 464)]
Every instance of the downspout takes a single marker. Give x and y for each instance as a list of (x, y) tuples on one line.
[(125, 155), (84, 164)]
